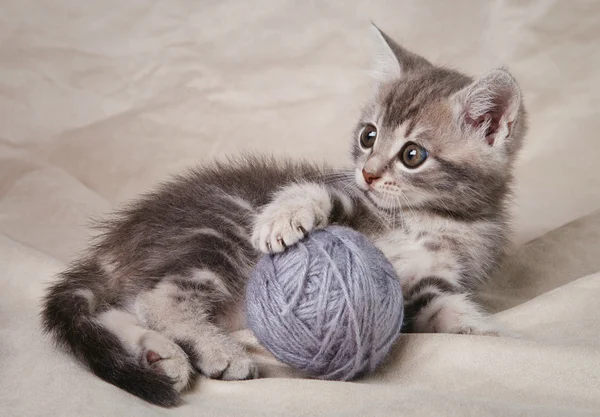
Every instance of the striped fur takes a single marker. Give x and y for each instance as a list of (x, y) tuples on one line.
[(153, 300)]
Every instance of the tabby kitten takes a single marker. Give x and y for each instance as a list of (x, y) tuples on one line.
[(154, 299)]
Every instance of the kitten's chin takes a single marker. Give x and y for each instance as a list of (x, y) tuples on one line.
[(390, 201), (382, 200)]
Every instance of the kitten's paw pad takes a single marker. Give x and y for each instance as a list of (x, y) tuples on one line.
[(166, 357), (152, 357), (294, 212)]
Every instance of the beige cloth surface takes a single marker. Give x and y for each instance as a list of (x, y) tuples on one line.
[(99, 100)]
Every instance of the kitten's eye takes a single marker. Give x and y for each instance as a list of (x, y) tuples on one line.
[(413, 155), (368, 136)]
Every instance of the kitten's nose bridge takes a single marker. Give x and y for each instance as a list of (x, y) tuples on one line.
[(373, 170)]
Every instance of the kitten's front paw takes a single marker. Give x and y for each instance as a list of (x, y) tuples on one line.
[(294, 212), (226, 361)]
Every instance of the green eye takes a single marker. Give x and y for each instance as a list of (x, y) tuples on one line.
[(413, 155), (368, 136)]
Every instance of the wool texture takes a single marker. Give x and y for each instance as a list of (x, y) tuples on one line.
[(330, 305)]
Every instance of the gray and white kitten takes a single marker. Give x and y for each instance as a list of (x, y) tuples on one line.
[(155, 297)]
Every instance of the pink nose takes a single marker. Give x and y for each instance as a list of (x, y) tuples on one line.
[(369, 178)]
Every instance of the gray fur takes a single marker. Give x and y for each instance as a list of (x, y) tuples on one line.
[(163, 284)]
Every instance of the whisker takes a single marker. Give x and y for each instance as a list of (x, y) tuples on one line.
[(409, 206), (346, 181), (401, 212)]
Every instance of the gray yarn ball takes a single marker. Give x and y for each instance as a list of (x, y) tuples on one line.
[(330, 305)]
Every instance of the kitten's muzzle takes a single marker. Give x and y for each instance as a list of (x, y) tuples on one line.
[(369, 177)]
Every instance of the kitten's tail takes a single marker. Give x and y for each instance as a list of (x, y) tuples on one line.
[(68, 314)]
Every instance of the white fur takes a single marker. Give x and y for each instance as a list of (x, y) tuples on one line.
[(305, 205), (219, 355), (207, 276), (242, 203), (455, 313), (483, 96), (88, 295), (360, 180), (412, 261), (107, 264), (139, 341), (208, 231)]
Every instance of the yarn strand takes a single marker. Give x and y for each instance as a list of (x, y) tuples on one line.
[(330, 305)]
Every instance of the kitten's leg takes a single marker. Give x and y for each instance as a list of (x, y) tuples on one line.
[(295, 211), (150, 348), (183, 310), (445, 312)]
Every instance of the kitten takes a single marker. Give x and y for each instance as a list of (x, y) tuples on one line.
[(156, 296)]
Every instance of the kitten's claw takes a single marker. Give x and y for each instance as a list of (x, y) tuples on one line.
[(281, 242), (294, 212)]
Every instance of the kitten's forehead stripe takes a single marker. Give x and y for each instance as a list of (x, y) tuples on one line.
[(405, 99), (402, 135)]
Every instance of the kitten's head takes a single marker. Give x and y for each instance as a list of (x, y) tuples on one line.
[(432, 137)]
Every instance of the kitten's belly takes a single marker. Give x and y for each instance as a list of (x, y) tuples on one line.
[(234, 317)]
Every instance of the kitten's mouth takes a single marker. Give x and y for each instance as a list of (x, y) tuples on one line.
[(388, 199), (382, 198)]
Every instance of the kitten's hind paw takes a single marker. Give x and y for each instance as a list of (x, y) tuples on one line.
[(479, 330), (166, 357), (456, 313)]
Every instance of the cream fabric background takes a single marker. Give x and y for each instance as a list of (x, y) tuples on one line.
[(99, 100)]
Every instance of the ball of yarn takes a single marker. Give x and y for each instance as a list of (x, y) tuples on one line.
[(330, 305)]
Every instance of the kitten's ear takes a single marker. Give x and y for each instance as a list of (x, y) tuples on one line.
[(392, 61), (490, 105)]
